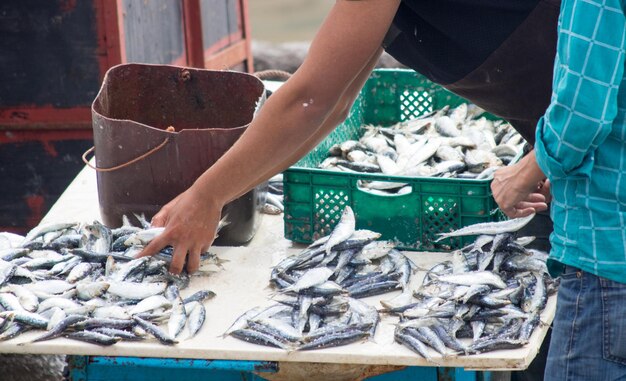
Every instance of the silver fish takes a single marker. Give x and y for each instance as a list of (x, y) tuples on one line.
[(49, 286), (343, 230), (151, 303), (136, 291), (489, 228), (472, 278), (43, 229), (311, 278), (93, 338), (177, 320), (196, 317)]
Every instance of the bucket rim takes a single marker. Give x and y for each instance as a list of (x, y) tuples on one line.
[(114, 68)]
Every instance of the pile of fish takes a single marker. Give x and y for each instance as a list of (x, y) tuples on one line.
[(452, 143), (492, 292), (318, 291), (274, 196), (83, 282)]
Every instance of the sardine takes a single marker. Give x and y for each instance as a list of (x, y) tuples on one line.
[(473, 278), (43, 229), (178, 318), (136, 291), (196, 318), (157, 332), (58, 329), (412, 343), (489, 228), (343, 230), (93, 338)]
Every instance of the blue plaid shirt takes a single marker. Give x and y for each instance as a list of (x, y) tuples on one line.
[(581, 139)]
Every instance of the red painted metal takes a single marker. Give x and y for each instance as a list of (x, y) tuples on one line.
[(114, 32), (104, 56), (227, 58), (222, 43), (245, 31), (45, 117), (193, 33), (45, 137), (234, 48)]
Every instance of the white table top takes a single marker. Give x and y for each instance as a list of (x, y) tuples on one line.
[(243, 284)]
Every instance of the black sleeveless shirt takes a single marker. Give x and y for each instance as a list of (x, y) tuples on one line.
[(498, 54)]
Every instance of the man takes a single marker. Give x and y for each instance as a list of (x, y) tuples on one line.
[(498, 54), (581, 147)]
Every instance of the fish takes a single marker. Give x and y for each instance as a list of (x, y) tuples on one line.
[(136, 291), (473, 278), (311, 278), (90, 290), (178, 317), (67, 279), (344, 229), (157, 332), (417, 346), (59, 328), (93, 338), (427, 147), (118, 333), (40, 230), (257, 337), (150, 303), (491, 228), (340, 337), (196, 318)]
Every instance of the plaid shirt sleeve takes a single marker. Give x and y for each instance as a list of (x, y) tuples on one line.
[(588, 70)]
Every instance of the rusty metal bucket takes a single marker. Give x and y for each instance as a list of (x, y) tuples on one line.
[(141, 166)]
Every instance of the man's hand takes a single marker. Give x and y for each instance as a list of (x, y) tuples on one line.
[(190, 222), (520, 189)]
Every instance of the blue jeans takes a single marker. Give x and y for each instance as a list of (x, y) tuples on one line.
[(589, 330)]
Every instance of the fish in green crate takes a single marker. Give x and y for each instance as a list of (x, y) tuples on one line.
[(448, 143)]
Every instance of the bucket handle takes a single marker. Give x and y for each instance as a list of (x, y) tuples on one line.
[(278, 75), (143, 156)]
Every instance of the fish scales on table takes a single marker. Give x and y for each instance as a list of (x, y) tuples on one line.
[(82, 282), (491, 292), (318, 290), (450, 142)]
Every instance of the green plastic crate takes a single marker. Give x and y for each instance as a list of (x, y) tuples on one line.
[(315, 198)]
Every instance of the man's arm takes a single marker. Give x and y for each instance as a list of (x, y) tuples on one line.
[(290, 122), (588, 71)]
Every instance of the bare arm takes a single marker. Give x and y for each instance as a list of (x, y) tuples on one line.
[(338, 115), (292, 121)]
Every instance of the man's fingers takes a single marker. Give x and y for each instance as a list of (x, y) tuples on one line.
[(154, 246), (545, 190), (158, 220), (532, 205), (178, 259), (519, 213), (193, 261), (536, 197), (511, 213), (524, 209)]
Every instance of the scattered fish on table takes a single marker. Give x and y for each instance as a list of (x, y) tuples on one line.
[(491, 294), (83, 282), (318, 291)]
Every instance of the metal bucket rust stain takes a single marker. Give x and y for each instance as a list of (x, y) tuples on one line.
[(209, 110)]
